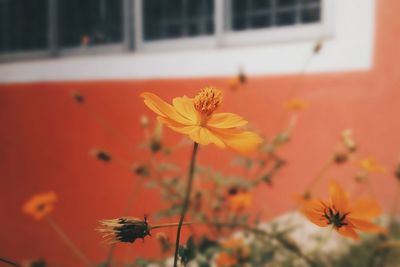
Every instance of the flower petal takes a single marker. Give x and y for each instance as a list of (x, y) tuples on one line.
[(204, 137), (366, 208), (177, 127), (242, 141), (339, 198), (348, 231), (314, 211), (367, 226), (226, 120), (163, 109), (185, 107)]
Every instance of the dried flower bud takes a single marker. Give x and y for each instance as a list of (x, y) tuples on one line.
[(124, 229), (155, 145), (144, 121), (347, 139), (101, 155), (317, 47), (142, 170), (242, 76), (164, 242), (233, 190), (397, 171), (361, 177), (340, 157), (78, 97)]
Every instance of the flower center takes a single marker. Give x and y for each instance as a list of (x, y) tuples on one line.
[(208, 100), (335, 218)]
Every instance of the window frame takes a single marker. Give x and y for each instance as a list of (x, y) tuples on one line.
[(133, 41)]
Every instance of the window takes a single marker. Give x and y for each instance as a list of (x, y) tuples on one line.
[(89, 23), (170, 19), (23, 25), (59, 27)]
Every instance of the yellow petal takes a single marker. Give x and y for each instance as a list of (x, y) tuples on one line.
[(204, 137), (177, 127), (242, 141), (226, 120), (339, 198), (348, 231), (366, 208), (163, 109), (366, 226), (185, 107)]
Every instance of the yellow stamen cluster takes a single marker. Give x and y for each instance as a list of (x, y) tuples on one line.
[(208, 100)]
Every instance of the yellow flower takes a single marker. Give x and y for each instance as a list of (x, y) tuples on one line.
[(345, 217), (40, 205), (225, 259), (240, 201), (370, 165), (296, 104), (196, 118)]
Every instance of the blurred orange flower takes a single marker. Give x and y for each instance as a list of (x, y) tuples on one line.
[(370, 165), (196, 118), (240, 200), (296, 104), (40, 205), (237, 246), (344, 217), (225, 259)]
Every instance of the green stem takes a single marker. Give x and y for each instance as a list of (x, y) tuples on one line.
[(9, 262), (67, 241), (186, 202)]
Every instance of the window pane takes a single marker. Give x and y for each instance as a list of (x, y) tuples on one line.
[(23, 25), (170, 19), (255, 14), (89, 22)]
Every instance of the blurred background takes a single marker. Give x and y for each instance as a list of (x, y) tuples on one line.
[(112, 50)]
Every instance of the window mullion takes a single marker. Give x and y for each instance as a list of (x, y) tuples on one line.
[(219, 21)]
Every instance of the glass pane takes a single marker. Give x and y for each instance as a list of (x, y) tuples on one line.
[(170, 19), (285, 18), (89, 22), (309, 15), (23, 25)]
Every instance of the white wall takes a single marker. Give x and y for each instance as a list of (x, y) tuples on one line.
[(348, 48)]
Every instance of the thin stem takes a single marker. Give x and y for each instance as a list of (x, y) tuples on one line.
[(9, 262), (67, 240), (186, 202), (166, 225), (319, 175)]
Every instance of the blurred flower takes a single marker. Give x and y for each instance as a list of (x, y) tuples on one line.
[(101, 155), (225, 259), (397, 171), (296, 104), (237, 247), (196, 118), (240, 200), (341, 215), (144, 121), (142, 170), (78, 97), (124, 229), (40, 205), (340, 157), (240, 79), (318, 46), (370, 165), (348, 141)]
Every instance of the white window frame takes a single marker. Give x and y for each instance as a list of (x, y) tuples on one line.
[(223, 37)]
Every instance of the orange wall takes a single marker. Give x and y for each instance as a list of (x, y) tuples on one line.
[(45, 138)]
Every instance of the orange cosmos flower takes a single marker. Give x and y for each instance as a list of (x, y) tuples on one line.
[(296, 104), (225, 259), (341, 215), (240, 201), (370, 165), (40, 205), (196, 117)]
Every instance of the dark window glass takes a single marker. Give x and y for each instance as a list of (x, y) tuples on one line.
[(170, 19), (89, 22), (23, 25), (255, 14)]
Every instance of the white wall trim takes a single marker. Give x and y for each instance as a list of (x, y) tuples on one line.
[(349, 49)]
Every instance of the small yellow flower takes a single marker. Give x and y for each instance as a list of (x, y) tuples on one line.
[(197, 118), (296, 104), (40, 205), (370, 165), (240, 201)]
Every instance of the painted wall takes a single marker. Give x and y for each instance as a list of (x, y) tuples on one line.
[(45, 138)]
